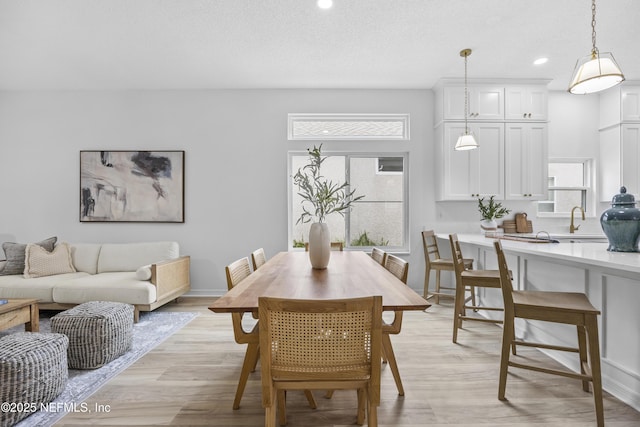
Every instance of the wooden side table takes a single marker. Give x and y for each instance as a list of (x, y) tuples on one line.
[(20, 311)]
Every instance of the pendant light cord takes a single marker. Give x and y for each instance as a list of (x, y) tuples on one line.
[(466, 96), (594, 51)]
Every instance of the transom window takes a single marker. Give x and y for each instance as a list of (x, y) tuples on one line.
[(569, 185), (348, 126), (379, 219)]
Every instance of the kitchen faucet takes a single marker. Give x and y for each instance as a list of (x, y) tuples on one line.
[(573, 228)]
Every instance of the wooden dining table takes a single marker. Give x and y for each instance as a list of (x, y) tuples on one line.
[(350, 274)]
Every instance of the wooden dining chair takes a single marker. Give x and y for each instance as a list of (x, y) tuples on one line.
[(258, 258), (236, 272), (379, 255), (313, 344), (559, 307), (433, 261), (399, 268), (469, 279), (335, 246)]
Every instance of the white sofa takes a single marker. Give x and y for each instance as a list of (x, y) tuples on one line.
[(109, 272)]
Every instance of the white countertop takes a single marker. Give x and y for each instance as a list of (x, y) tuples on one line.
[(595, 254)]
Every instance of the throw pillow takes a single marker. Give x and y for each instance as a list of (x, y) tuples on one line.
[(40, 262), (144, 272), (15, 252)]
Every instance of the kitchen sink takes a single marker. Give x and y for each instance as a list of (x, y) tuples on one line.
[(580, 238), (563, 237)]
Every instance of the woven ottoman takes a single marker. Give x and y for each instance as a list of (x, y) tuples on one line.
[(98, 331), (33, 370)]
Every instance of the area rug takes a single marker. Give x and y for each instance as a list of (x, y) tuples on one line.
[(152, 329)]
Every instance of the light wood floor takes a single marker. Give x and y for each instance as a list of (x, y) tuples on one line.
[(190, 380)]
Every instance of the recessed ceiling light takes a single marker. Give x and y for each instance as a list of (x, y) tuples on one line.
[(540, 61), (325, 4)]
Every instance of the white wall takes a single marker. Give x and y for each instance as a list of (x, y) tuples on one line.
[(236, 164)]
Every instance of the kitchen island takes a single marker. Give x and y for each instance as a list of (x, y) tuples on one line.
[(611, 280)]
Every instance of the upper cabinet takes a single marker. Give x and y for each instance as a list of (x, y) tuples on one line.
[(619, 141), (526, 161), (467, 175), (630, 103), (485, 103), (508, 120), (526, 103), (491, 100)]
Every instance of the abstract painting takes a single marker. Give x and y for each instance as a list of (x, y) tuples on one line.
[(131, 186)]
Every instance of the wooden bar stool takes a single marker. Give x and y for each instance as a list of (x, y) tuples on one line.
[(433, 261), (469, 278), (558, 307)]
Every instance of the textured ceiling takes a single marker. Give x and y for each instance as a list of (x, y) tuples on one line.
[(201, 44)]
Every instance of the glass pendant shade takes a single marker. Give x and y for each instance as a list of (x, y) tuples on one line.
[(466, 141), (595, 72)]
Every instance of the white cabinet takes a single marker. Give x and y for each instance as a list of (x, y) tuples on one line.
[(619, 160), (526, 103), (610, 175), (508, 119), (630, 103), (619, 141), (631, 158), (526, 161), (467, 175), (485, 103)]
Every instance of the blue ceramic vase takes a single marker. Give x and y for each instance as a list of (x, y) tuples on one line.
[(621, 223)]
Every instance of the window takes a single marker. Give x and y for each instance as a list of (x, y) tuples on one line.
[(348, 126), (570, 185), (379, 219)]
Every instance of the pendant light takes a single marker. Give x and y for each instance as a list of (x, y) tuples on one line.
[(595, 72), (466, 141)]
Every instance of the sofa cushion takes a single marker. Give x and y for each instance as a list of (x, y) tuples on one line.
[(116, 257), (39, 262), (117, 287), (144, 272), (15, 252), (85, 256), (40, 288)]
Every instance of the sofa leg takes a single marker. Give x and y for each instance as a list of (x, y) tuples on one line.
[(136, 314)]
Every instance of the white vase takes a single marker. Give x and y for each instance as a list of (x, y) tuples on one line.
[(489, 225), (319, 245)]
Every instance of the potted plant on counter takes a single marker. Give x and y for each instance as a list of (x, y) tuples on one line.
[(320, 197), (489, 212)]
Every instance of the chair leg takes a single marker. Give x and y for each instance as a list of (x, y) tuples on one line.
[(372, 414), (282, 407), (582, 350), (328, 394), (594, 354), (507, 335), (458, 309), (250, 358), (388, 349), (427, 273), (362, 406), (437, 296), (473, 297), (385, 359), (311, 399), (270, 413)]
